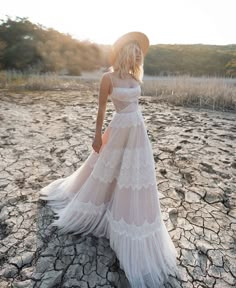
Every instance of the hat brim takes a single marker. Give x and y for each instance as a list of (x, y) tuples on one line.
[(138, 37)]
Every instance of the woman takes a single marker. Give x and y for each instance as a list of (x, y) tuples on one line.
[(114, 193)]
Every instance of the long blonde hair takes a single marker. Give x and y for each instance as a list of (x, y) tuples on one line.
[(126, 63)]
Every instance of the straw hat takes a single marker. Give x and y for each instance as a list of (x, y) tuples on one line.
[(138, 37)]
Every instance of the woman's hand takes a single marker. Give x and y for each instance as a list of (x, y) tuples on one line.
[(97, 143)]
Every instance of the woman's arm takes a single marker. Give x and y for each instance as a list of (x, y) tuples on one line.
[(104, 91)]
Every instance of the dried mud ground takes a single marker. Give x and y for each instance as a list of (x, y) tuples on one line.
[(46, 135)]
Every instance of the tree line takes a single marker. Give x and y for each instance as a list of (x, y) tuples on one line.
[(194, 60), (30, 47), (27, 46)]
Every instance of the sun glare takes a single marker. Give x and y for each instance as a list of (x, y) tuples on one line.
[(170, 21)]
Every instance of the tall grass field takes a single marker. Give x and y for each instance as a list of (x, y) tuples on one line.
[(204, 92)]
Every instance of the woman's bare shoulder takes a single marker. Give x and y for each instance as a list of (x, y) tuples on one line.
[(107, 79), (106, 83), (107, 74)]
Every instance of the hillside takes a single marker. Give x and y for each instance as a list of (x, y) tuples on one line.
[(194, 60), (30, 47)]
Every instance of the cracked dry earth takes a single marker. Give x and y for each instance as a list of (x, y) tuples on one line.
[(46, 135)]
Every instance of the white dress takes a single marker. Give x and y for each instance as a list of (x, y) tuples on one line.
[(114, 194)]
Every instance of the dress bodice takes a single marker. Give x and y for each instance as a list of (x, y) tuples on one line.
[(125, 99)]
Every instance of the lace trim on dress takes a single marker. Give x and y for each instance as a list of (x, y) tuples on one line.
[(113, 158), (120, 226), (137, 181), (92, 208), (134, 231), (121, 120), (126, 93)]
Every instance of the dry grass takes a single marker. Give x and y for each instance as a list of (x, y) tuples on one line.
[(203, 92), (213, 93), (49, 81)]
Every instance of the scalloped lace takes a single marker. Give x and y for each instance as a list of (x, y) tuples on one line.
[(130, 158), (134, 231), (91, 208), (121, 120), (125, 93), (139, 179), (120, 226), (134, 168)]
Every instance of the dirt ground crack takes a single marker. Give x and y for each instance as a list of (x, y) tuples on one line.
[(48, 135)]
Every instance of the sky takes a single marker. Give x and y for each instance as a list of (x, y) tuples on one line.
[(103, 21)]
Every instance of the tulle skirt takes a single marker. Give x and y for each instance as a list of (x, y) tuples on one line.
[(114, 195)]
